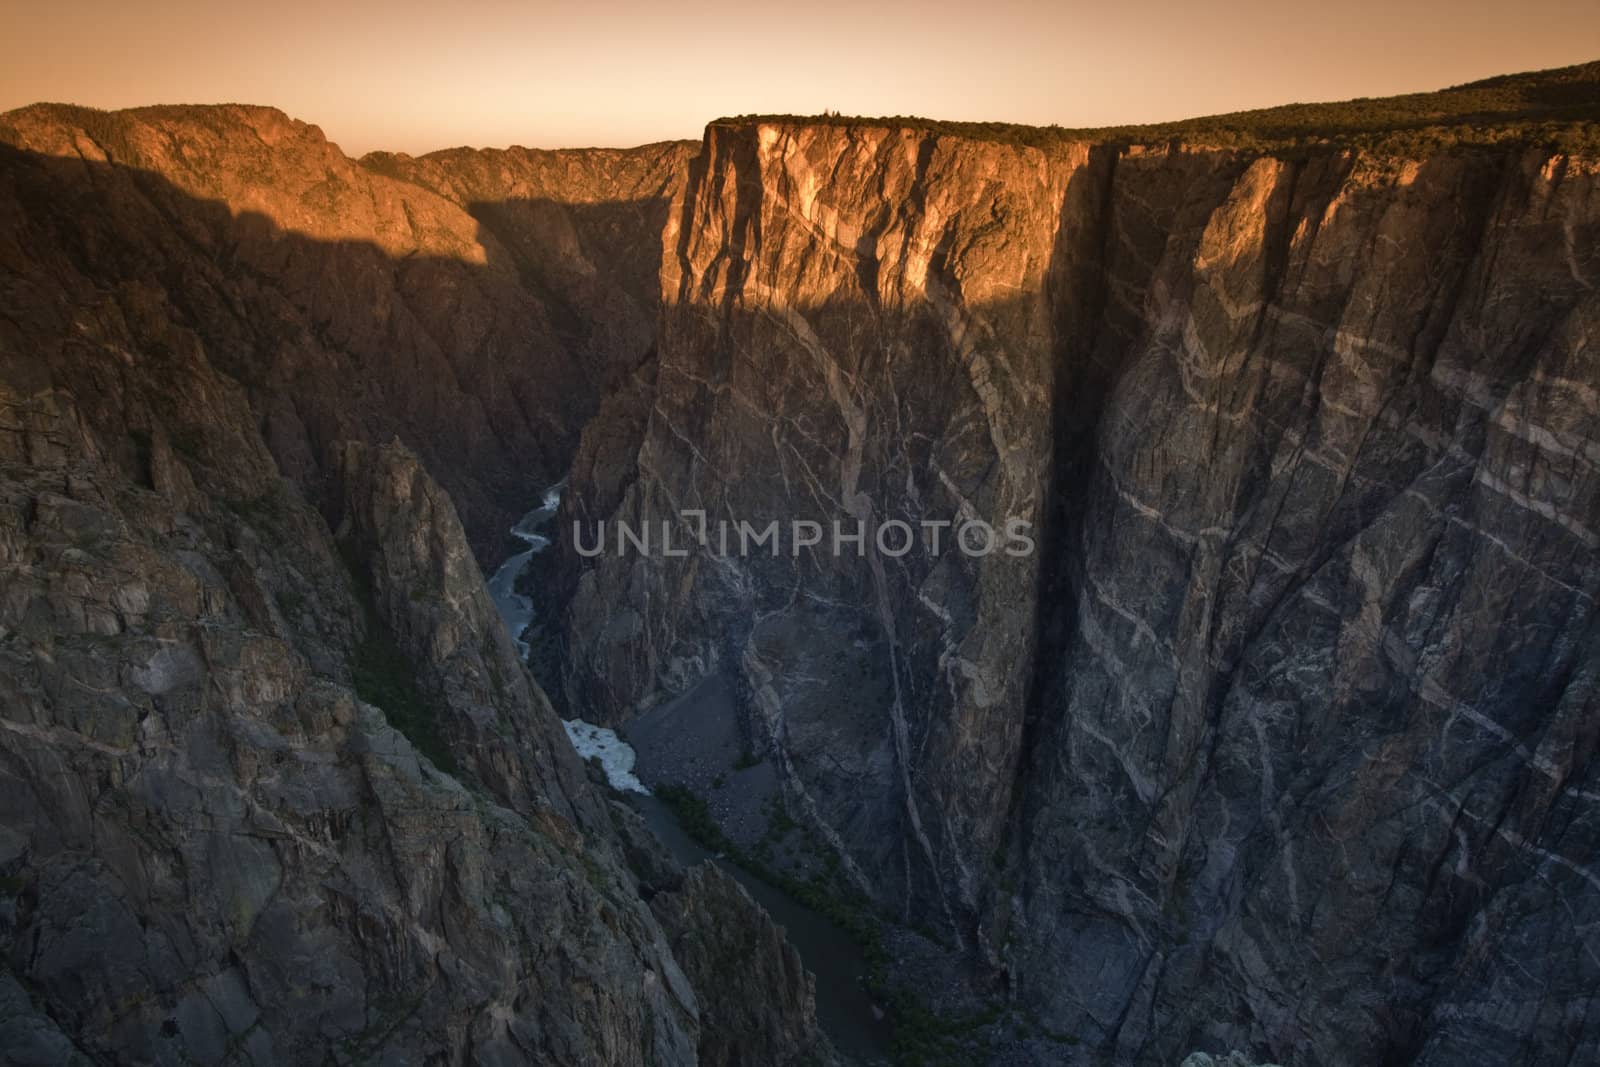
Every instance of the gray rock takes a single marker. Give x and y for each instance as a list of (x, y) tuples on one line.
[(728, 946), (216, 847), (1280, 740)]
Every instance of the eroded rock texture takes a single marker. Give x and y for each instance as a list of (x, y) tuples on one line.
[(716, 930), (1282, 739), (1279, 741), (348, 302), (217, 852), (224, 583)]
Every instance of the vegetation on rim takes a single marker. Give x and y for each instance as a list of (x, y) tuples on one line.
[(1557, 109)]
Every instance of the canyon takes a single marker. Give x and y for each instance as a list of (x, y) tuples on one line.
[(1280, 740)]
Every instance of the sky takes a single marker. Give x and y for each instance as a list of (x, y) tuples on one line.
[(414, 76)]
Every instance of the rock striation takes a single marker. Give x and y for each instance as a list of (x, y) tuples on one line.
[(1281, 740), (716, 930), (1275, 743), (276, 786)]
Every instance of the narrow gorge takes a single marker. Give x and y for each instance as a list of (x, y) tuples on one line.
[(1278, 738)]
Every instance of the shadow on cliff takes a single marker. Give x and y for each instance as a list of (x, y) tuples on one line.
[(601, 290), (487, 370), (1125, 267), (1201, 720), (491, 372), (738, 372)]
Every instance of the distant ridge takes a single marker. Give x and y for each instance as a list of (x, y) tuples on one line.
[(1558, 108)]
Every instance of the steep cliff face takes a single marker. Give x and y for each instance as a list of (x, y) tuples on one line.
[(429, 604), (348, 302), (856, 329), (716, 930), (1326, 644), (1281, 739), (214, 850), (583, 229), (276, 787)]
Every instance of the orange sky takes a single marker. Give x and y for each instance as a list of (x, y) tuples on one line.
[(415, 76)]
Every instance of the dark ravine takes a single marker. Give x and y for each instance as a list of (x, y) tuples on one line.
[(857, 1027), (1282, 741)]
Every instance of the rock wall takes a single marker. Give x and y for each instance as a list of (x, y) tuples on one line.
[(1327, 643), (1281, 740), (856, 328), (716, 930), (275, 785), (348, 302)]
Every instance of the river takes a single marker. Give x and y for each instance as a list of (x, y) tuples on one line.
[(844, 1008)]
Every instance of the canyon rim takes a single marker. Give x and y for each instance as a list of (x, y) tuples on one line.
[(340, 721)]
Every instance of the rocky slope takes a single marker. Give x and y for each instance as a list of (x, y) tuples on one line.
[(715, 931), (583, 229), (1281, 739), (276, 787), (352, 304), (1274, 742)]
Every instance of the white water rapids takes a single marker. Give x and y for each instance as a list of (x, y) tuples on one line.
[(616, 756)]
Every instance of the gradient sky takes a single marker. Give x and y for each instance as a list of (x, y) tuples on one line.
[(415, 76)]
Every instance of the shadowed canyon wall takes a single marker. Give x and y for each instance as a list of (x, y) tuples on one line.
[(404, 315), (276, 786), (1282, 738)]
